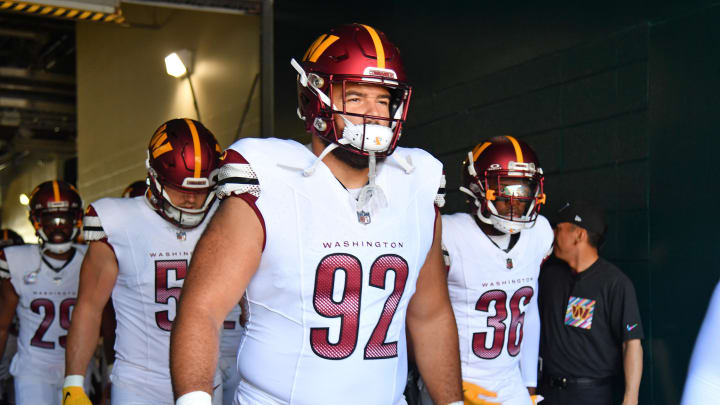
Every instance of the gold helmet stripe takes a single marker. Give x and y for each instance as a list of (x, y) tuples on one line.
[(480, 149), (322, 47), (518, 150), (56, 191), (379, 51), (196, 146), (313, 46)]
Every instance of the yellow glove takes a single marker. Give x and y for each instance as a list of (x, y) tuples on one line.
[(473, 393), (75, 395), (536, 399)]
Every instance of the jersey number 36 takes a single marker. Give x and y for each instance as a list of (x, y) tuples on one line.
[(497, 322)]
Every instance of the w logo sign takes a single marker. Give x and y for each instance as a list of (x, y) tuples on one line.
[(579, 312)]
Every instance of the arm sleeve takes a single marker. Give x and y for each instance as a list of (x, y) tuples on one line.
[(630, 324), (440, 196), (4, 269), (446, 257), (92, 226), (237, 178), (531, 342), (703, 379)]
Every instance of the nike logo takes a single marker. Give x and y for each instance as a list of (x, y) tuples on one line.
[(67, 395), (629, 328)]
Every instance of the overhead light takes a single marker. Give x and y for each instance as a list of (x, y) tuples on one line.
[(24, 200), (179, 63)]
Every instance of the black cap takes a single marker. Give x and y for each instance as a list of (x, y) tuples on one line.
[(583, 214)]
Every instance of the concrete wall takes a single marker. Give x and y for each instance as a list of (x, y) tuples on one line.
[(616, 97), (124, 93)]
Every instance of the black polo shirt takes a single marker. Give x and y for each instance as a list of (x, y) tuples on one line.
[(585, 319)]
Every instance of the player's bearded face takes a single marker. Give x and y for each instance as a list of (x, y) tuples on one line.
[(58, 227), (366, 99), (183, 199), (520, 188)]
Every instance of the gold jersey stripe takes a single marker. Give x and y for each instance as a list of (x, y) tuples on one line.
[(379, 51), (196, 146), (518, 150)]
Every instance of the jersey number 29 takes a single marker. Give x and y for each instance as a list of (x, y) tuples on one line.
[(49, 309)]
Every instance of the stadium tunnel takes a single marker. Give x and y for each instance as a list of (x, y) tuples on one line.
[(616, 97)]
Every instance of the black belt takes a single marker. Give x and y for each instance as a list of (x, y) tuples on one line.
[(566, 382)]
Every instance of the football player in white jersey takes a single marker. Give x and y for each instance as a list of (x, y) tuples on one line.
[(40, 283), (9, 238), (494, 255), (139, 252), (232, 331), (339, 251), (108, 323), (703, 379)]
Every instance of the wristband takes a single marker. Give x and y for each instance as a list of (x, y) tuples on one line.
[(194, 398), (457, 403), (74, 381)]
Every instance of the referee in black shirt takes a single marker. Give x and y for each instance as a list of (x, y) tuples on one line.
[(591, 327)]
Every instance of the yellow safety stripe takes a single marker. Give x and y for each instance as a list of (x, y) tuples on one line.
[(39, 8)]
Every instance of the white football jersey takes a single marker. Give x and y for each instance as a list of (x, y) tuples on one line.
[(153, 257), (48, 292), (327, 306), (494, 295)]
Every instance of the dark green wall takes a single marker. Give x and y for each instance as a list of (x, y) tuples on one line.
[(619, 100)]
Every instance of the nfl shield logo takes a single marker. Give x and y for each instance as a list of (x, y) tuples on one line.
[(363, 217), (509, 263), (181, 235)]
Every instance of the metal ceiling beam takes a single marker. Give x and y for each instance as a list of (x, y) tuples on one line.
[(25, 104), (23, 34), (18, 73), (32, 88)]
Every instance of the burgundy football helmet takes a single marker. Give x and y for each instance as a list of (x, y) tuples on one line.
[(135, 189), (183, 155), (504, 170), (10, 238), (56, 212), (354, 53)]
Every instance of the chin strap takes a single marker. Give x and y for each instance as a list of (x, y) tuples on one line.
[(371, 197)]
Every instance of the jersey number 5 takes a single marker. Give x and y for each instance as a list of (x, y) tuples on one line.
[(499, 297), (163, 293), (347, 308)]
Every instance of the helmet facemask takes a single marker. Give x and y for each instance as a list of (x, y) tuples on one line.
[(180, 216), (509, 200), (376, 134), (57, 228)]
